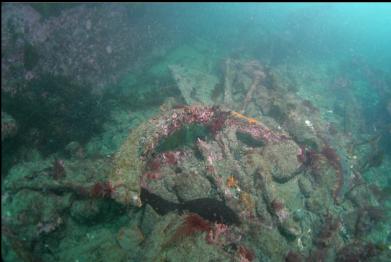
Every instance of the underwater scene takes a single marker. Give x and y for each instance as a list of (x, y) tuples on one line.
[(196, 132)]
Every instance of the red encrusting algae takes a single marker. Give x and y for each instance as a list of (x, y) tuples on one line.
[(246, 255), (192, 224), (334, 160), (102, 190), (214, 234), (218, 122)]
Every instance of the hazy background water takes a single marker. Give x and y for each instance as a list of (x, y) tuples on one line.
[(317, 29)]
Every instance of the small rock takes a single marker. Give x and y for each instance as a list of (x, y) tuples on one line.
[(191, 186), (72, 147), (129, 238), (49, 226), (85, 211), (149, 220), (284, 157), (305, 186), (290, 229)]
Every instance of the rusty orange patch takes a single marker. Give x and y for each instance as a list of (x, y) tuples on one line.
[(249, 119), (231, 181)]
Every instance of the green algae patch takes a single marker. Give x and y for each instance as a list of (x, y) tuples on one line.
[(185, 136)]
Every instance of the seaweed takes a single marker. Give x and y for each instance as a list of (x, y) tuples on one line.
[(102, 190), (308, 157), (357, 251), (218, 122), (333, 158), (58, 169), (327, 232), (368, 217), (246, 254), (293, 257), (191, 224)]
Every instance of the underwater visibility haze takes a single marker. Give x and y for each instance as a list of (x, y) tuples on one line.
[(196, 132)]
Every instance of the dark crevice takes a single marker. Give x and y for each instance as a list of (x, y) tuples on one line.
[(208, 208), (160, 205), (212, 210), (248, 139)]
